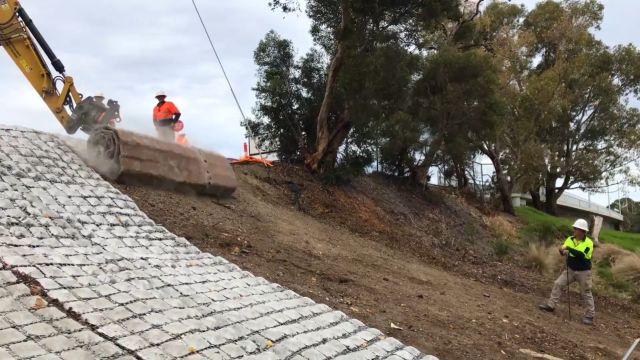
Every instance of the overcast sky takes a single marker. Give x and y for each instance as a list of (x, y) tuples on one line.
[(130, 49)]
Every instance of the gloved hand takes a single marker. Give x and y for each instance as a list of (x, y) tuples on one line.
[(562, 250)]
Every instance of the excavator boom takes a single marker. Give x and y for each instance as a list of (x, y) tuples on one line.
[(22, 41)]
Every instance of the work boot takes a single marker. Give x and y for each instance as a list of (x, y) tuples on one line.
[(587, 320), (546, 307)]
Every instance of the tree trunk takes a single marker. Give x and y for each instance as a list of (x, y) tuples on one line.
[(550, 198), (461, 176), (324, 160), (505, 196), (535, 198), (419, 174), (505, 190), (502, 184), (329, 141)]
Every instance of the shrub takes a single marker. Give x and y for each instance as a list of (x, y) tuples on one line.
[(605, 272), (546, 233), (501, 227), (628, 269), (539, 258), (501, 248)]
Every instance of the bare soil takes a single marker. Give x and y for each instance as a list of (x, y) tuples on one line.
[(386, 253)]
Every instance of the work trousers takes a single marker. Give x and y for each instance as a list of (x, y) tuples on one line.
[(166, 133), (584, 280)]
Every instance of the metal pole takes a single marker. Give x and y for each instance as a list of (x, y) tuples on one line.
[(629, 352), (608, 200), (482, 181), (568, 294)]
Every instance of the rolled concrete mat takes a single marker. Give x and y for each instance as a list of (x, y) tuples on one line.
[(131, 158)]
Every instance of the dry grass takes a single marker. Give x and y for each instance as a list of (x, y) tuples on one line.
[(610, 253), (541, 258), (628, 268), (502, 227)]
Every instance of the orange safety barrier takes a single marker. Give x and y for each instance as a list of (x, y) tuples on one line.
[(247, 159), (182, 139)]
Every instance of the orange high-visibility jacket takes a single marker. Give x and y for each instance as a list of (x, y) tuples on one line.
[(164, 111)]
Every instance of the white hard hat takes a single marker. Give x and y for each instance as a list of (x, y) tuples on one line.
[(581, 224), (161, 93), (99, 94)]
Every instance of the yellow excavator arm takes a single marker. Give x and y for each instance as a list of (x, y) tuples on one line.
[(22, 40)]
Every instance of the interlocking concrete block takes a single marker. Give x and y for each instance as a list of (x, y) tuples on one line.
[(176, 348), (234, 351), (18, 290), (154, 354), (49, 314), (158, 305), (118, 314), (80, 307), (133, 342), (6, 277), (175, 328), (156, 319), (139, 308), (313, 354), (67, 325), (87, 337), (62, 295), (106, 349), (101, 304), (122, 298), (77, 355), (114, 331), (155, 336), (46, 357), (21, 318), (331, 348), (10, 336), (58, 343), (48, 284), (26, 349), (9, 304), (84, 293), (39, 329), (105, 290), (136, 325)]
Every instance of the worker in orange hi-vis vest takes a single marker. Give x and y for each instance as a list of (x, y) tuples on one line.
[(165, 116)]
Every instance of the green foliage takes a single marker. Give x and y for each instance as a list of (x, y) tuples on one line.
[(288, 92), (603, 269), (340, 175), (628, 241), (422, 83), (501, 248), (630, 209)]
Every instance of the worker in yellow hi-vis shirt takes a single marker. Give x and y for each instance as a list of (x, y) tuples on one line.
[(579, 251)]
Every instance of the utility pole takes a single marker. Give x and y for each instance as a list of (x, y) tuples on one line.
[(606, 182)]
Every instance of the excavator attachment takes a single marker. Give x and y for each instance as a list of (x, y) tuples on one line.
[(90, 115), (22, 40), (132, 158)]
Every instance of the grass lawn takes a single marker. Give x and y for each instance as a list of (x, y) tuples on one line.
[(536, 219)]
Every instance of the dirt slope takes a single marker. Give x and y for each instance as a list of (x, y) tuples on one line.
[(387, 254)]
